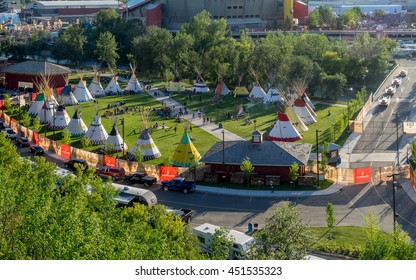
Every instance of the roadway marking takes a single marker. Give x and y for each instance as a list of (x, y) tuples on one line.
[(360, 194), (214, 207)]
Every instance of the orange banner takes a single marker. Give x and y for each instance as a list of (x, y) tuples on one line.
[(65, 151), (12, 120), (35, 138), (362, 175), (1, 104), (33, 96), (168, 172), (109, 161)]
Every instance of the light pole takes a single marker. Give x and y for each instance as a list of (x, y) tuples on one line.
[(397, 140), (317, 156), (54, 117), (271, 186), (394, 199), (255, 121), (348, 108), (122, 123), (333, 126), (223, 149)]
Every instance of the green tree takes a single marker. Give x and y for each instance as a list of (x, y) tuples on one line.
[(107, 19), (332, 86), (330, 216), (247, 168), (294, 172), (284, 236), (25, 119), (7, 102), (36, 124), (220, 246), (85, 142), (106, 49), (66, 136), (413, 150), (74, 39)]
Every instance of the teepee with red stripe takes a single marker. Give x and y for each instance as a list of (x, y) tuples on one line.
[(283, 130)]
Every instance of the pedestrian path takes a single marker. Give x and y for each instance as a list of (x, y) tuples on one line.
[(194, 117)]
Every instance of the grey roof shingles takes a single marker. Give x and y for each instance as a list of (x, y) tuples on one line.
[(267, 153), (36, 68)]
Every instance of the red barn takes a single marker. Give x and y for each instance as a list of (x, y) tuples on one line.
[(267, 157), (27, 74)]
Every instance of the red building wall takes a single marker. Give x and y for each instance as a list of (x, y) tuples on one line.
[(300, 11), (282, 171), (12, 80), (154, 16)]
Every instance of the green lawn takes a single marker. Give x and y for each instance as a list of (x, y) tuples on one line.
[(345, 240)]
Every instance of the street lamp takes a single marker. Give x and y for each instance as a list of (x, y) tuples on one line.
[(255, 121), (317, 156), (122, 123), (223, 149), (333, 126), (394, 199), (348, 108), (397, 140)]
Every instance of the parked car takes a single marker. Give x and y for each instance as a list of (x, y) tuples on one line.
[(128, 195), (37, 150), (384, 100), (179, 184), (22, 142), (72, 162), (2, 126), (396, 82), (403, 73), (9, 133), (140, 178), (115, 173), (185, 214)]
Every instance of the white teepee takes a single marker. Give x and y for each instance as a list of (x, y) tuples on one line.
[(37, 105), (96, 132), (47, 112), (146, 144), (77, 126), (273, 96), (114, 141), (308, 101), (113, 87), (222, 89), (257, 93), (283, 130), (60, 119), (200, 86), (67, 97), (81, 92), (95, 88), (302, 111), (133, 85)]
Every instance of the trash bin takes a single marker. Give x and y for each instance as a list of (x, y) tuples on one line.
[(220, 125), (256, 226)]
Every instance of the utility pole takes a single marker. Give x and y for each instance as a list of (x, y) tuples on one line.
[(317, 156)]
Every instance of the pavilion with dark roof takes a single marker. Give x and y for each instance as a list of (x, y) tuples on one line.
[(267, 157), (27, 74)]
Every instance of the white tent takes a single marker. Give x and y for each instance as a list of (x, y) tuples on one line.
[(96, 132), (37, 105), (302, 111), (222, 89), (53, 101), (115, 141), (113, 87), (308, 101), (146, 144), (95, 88), (60, 119), (257, 92), (200, 86), (133, 85), (77, 126), (273, 96), (67, 97), (283, 130), (81, 92), (47, 112)]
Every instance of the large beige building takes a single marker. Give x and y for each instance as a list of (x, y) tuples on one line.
[(239, 13)]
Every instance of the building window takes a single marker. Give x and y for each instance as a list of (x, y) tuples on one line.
[(201, 239), (235, 7), (229, 7), (240, 16), (240, 7)]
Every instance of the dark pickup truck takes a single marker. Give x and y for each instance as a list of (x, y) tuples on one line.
[(140, 178), (185, 214), (179, 184)]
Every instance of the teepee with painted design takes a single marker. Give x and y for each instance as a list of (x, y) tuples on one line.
[(283, 130), (113, 87), (185, 154), (37, 105), (81, 92), (67, 97), (257, 93), (145, 142), (222, 89), (60, 119), (77, 126), (96, 131), (114, 142)]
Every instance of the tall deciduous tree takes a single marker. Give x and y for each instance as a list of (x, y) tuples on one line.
[(106, 49), (72, 39), (284, 236)]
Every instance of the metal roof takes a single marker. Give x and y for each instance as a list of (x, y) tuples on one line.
[(73, 4), (37, 67), (267, 153)]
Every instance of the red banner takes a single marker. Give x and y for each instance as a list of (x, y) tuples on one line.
[(362, 175), (59, 90), (65, 151), (35, 138), (1, 104), (168, 172), (12, 120), (109, 161)]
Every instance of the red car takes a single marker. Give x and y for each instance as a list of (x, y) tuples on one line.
[(108, 171)]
